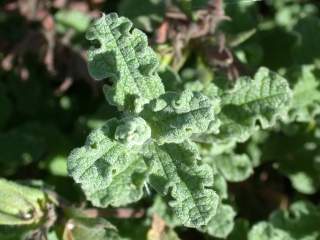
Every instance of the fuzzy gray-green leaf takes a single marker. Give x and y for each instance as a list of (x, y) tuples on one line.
[(124, 56), (109, 166), (234, 167), (175, 117), (176, 172), (262, 99), (222, 223)]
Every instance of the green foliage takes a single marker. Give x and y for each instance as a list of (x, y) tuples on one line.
[(300, 221), (124, 155), (22, 209), (233, 167), (175, 170), (72, 20), (225, 147), (251, 102), (112, 166), (222, 223), (20, 204), (175, 117), (109, 167), (306, 94), (123, 55), (264, 231), (90, 228)]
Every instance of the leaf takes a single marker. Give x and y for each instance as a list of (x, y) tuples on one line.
[(176, 172), (109, 167), (175, 117), (301, 220), (306, 95), (265, 231), (221, 224), (251, 101), (23, 210), (20, 205), (124, 56), (220, 185), (234, 167), (66, 19), (90, 228)]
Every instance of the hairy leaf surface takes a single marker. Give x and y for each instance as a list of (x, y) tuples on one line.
[(306, 95), (222, 223), (301, 220), (175, 117), (109, 167), (234, 167), (124, 56), (251, 101), (176, 173)]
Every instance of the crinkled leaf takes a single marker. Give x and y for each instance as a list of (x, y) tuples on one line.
[(301, 220), (220, 185), (124, 56), (109, 167), (234, 167), (176, 172), (265, 231), (222, 223), (175, 117), (306, 95), (251, 101)]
